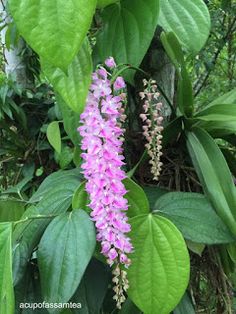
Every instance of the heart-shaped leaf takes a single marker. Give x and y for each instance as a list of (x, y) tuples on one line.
[(188, 20), (53, 197), (126, 27), (54, 29), (159, 272), (64, 253)]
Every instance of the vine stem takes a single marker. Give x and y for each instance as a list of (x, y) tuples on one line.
[(35, 217)]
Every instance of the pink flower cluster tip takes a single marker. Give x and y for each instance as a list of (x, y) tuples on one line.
[(102, 137)]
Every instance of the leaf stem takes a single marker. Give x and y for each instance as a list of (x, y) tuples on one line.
[(33, 218)]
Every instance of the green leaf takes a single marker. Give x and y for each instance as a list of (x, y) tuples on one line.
[(105, 3), (6, 281), (194, 216), (185, 90), (126, 26), (214, 175), (228, 98), (53, 197), (74, 84), (70, 121), (137, 199), (218, 128), (189, 20), (185, 306), (223, 113), (11, 209), (54, 136), (93, 288), (54, 29), (64, 253), (161, 260)]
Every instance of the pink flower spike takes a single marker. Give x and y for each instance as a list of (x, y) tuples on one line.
[(102, 140), (119, 83), (110, 62)]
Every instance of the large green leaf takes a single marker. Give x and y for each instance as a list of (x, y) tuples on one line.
[(194, 216), (137, 199), (6, 282), (189, 20), (54, 136), (214, 174), (11, 209), (53, 197), (159, 272), (55, 29), (64, 253), (126, 27), (228, 98), (74, 84)]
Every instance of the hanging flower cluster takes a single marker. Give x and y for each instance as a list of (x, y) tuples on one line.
[(152, 127), (102, 138)]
